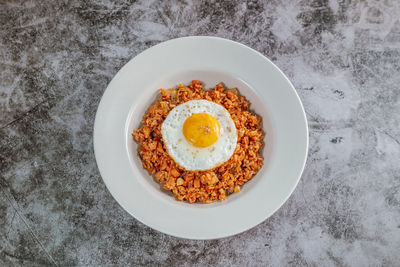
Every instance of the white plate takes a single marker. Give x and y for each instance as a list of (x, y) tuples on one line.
[(210, 60)]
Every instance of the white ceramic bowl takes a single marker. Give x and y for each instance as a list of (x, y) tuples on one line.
[(210, 60)]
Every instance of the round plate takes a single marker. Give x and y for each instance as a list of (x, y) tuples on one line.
[(210, 60)]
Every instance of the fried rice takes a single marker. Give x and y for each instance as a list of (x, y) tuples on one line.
[(210, 185)]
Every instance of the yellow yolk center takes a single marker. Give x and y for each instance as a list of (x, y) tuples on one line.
[(201, 130)]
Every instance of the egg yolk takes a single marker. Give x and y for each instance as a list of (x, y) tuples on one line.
[(201, 130)]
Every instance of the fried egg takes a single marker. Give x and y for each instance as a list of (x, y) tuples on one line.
[(199, 135)]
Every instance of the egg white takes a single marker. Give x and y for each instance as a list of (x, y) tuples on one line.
[(195, 158)]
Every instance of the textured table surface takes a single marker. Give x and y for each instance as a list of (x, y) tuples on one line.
[(56, 59)]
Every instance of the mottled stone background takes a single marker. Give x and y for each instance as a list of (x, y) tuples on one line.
[(56, 59)]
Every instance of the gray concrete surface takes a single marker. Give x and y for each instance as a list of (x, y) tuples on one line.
[(56, 59)]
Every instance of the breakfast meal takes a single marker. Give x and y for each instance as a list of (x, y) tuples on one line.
[(201, 145)]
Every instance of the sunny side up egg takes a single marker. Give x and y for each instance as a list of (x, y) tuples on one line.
[(199, 135)]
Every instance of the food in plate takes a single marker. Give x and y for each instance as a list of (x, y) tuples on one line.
[(200, 144)]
